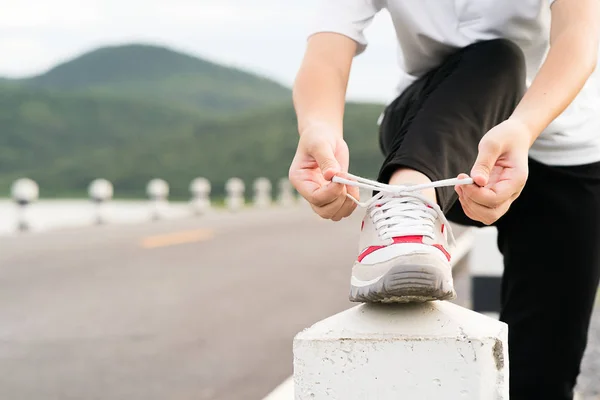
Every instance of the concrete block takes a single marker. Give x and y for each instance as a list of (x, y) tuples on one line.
[(434, 350)]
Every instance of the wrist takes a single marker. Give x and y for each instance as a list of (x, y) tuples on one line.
[(524, 129), (320, 128)]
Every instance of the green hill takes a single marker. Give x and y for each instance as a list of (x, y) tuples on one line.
[(162, 75), (64, 140)]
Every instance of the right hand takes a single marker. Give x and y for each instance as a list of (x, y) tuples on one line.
[(320, 156)]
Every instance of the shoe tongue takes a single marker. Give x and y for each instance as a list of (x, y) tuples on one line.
[(406, 200), (405, 197), (405, 185)]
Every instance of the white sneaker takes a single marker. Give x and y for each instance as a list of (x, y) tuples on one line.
[(405, 245)]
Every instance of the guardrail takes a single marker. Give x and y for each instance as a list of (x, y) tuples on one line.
[(25, 191)]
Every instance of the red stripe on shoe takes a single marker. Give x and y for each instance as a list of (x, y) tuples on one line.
[(443, 226), (398, 239), (408, 239), (368, 251), (402, 239), (443, 250)]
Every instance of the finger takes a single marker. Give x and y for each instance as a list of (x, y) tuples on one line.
[(315, 191), (345, 211), (349, 205), (476, 207), (514, 196), (489, 152), (490, 197), (353, 191), (481, 196), (327, 194), (500, 209), (458, 188), (472, 212), (481, 213), (331, 209), (325, 158), (466, 209)]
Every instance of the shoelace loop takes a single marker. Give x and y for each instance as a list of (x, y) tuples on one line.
[(401, 210)]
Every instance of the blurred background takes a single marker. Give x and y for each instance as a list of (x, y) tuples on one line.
[(133, 90), (180, 288)]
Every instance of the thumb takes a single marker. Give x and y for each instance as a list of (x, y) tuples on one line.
[(489, 152), (325, 157)]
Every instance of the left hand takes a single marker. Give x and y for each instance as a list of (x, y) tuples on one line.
[(499, 173)]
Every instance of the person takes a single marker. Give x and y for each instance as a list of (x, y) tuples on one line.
[(502, 96)]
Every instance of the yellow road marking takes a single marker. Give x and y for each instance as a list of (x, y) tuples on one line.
[(175, 238)]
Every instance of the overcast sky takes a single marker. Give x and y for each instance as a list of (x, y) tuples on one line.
[(264, 36)]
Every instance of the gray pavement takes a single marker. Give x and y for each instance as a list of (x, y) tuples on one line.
[(93, 314), (201, 309)]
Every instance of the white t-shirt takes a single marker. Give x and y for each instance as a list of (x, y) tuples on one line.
[(429, 30)]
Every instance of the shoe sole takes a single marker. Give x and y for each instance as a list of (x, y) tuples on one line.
[(406, 284)]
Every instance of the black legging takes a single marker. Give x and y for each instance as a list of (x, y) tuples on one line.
[(550, 237)]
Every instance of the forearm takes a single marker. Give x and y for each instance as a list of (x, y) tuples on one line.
[(320, 87), (319, 97), (570, 62)]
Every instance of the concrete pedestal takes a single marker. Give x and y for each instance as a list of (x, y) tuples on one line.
[(201, 205), (434, 350), (234, 203)]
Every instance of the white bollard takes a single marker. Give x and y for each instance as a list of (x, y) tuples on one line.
[(286, 193), (24, 192), (101, 191), (200, 188), (235, 194), (434, 350), (158, 191), (262, 193)]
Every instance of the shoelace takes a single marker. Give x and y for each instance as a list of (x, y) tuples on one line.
[(400, 210)]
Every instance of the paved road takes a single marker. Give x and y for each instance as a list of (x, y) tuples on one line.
[(190, 309), (201, 309)]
